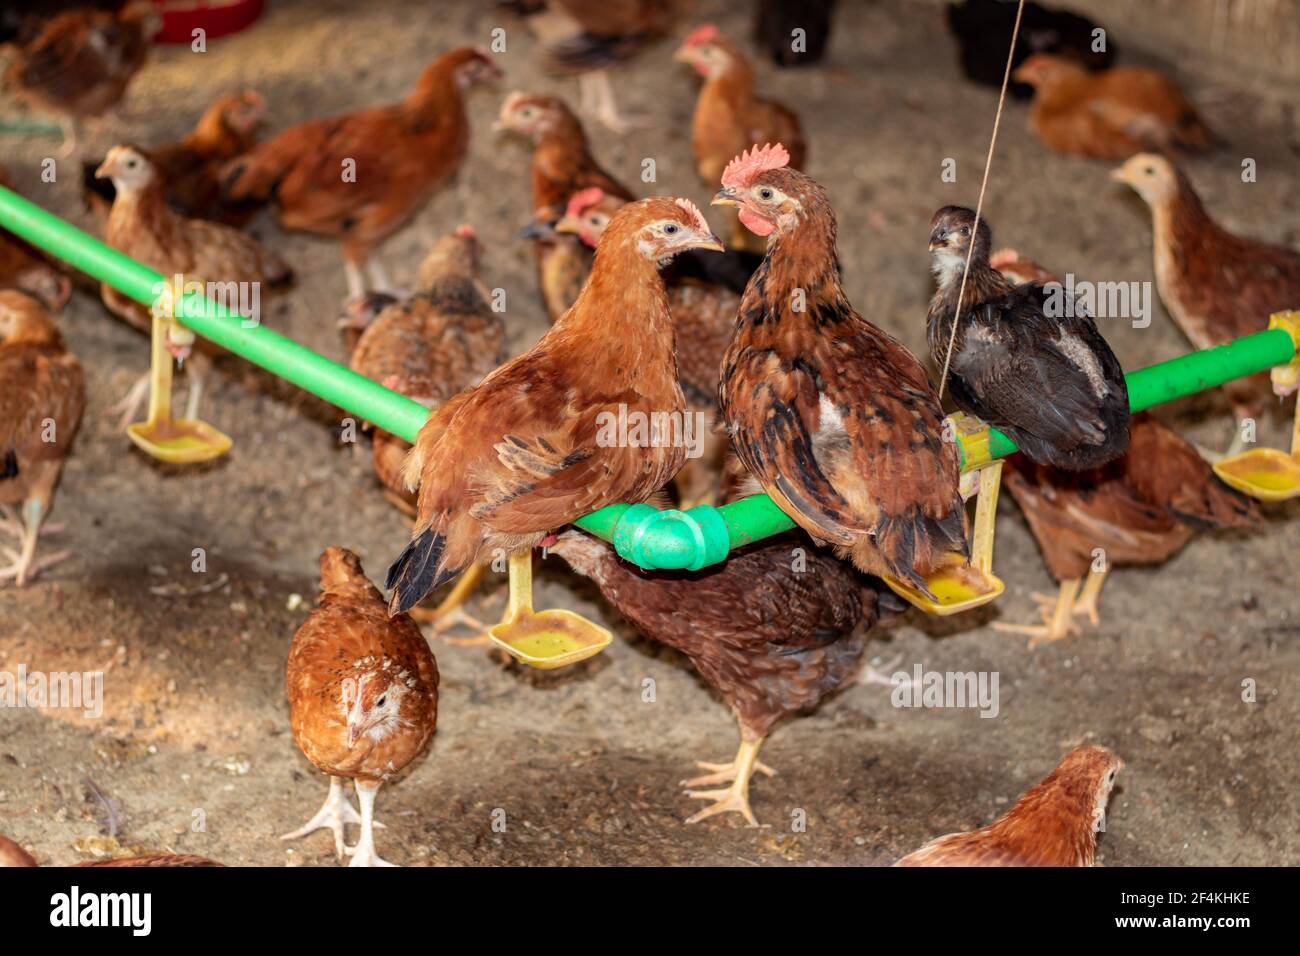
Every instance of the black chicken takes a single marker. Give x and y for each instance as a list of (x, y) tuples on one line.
[(776, 20), (983, 31), (1049, 381)]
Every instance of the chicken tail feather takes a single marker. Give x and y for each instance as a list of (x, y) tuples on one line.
[(418, 570)]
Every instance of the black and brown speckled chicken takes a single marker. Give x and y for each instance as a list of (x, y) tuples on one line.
[(431, 345), (79, 63), (836, 419), (775, 629)]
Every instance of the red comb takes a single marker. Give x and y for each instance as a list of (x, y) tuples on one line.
[(705, 33), (466, 231), (583, 200), (757, 159), (701, 223)]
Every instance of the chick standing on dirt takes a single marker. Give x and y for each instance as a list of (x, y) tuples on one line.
[(363, 696), (42, 394)]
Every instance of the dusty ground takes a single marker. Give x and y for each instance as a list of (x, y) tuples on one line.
[(586, 773)]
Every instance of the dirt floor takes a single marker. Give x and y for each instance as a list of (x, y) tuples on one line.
[(194, 749)]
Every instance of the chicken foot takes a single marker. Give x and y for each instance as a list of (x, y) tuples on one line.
[(363, 854), (597, 98), (1087, 603), (334, 814), (736, 797), (27, 529), (1057, 621)]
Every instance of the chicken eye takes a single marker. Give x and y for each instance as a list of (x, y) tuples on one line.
[(1150, 170), (383, 700), (670, 229), (964, 231), (130, 164), (766, 194)]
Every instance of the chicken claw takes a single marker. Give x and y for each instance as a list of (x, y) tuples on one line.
[(335, 813), (736, 797), (723, 773), (1056, 613)]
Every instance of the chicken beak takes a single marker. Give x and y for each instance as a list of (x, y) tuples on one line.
[(105, 170), (725, 197), (938, 241), (1119, 175), (682, 55), (568, 225), (710, 242)]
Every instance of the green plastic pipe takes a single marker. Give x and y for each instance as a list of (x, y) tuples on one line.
[(642, 534), (281, 356)]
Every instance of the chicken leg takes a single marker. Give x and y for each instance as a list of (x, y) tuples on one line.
[(738, 773), (363, 854), (27, 528), (451, 612), (333, 815), (597, 98), (1087, 603), (1057, 623)]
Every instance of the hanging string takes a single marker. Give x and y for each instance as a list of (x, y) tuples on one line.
[(979, 205)]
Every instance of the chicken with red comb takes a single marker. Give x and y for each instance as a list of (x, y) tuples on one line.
[(527, 451), (836, 419), (1055, 822), (729, 116)]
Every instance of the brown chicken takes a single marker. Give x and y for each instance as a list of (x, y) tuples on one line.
[(1139, 510), (562, 165), (360, 177), (430, 346), (235, 266), (836, 419), (729, 117), (529, 449), (189, 167), (80, 63), (363, 697), (12, 854), (22, 267), (1216, 285), (42, 395), (775, 630), (1111, 114), (1054, 823), (704, 313), (588, 37)]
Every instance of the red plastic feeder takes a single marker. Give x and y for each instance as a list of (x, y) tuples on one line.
[(216, 18)]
